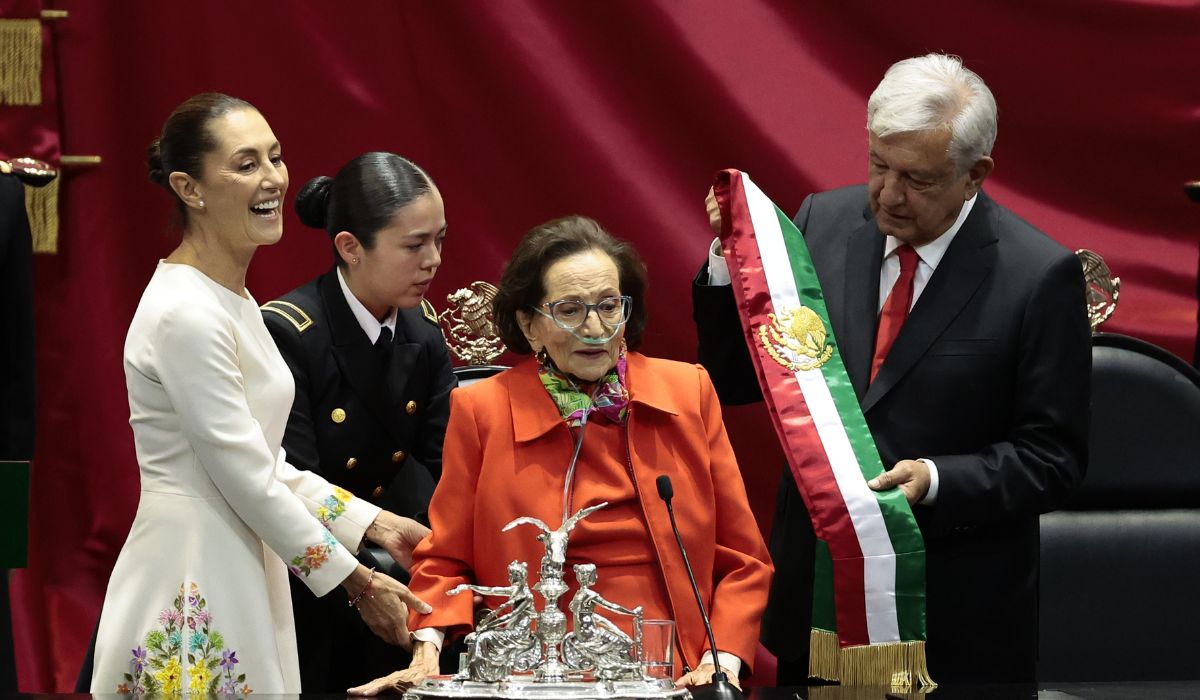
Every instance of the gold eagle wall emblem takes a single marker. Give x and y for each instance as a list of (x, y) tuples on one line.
[(468, 326), (796, 339)]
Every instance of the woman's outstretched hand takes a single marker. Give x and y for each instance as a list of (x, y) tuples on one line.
[(398, 535), (424, 664), (383, 603)]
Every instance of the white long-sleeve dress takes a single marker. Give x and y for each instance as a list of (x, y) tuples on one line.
[(198, 601)]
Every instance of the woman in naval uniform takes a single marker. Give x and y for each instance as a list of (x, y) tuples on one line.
[(372, 374)]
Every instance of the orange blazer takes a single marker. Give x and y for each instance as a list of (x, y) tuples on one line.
[(505, 436)]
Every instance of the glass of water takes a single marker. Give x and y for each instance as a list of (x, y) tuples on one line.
[(658, 648)]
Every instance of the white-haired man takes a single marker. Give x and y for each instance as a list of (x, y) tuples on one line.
[(978, 403)]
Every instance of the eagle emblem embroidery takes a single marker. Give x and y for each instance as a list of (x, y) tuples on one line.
[(796, 339)]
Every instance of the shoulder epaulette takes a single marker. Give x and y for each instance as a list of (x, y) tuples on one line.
[(294, 314), (429, 312)]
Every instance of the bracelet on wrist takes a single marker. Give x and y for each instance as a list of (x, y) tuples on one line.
[(365, 591)]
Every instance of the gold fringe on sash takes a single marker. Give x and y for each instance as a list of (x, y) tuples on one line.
[(41, 205), (823, 655), (20, 61), (899, 665)]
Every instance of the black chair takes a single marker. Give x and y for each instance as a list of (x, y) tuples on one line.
[(470, 374), (1120, 566)]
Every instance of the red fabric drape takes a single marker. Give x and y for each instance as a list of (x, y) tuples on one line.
[(32, 130), (523, 111)]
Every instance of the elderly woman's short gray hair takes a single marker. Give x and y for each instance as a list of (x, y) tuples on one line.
[(936, 91)]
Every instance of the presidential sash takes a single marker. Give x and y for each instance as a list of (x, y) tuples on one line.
[(869, 592)]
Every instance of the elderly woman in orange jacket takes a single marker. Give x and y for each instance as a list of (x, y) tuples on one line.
[(573, 296)]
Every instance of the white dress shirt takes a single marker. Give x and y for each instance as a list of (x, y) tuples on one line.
[(370, 325), (930, 255)]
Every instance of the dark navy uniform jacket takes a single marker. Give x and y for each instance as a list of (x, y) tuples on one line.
[(372, 421)]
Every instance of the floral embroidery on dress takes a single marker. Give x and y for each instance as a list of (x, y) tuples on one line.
[(333, 506), (157, 663), (314, 556)]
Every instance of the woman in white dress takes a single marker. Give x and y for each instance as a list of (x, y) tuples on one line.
[(198, 601)]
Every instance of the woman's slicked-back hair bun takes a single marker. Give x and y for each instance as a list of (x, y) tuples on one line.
[(154, 165), (312, 204), (186, 138), (363, 197)]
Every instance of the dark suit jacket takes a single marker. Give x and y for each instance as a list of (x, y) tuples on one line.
[(17, 395), (369, 423), (989, 378)]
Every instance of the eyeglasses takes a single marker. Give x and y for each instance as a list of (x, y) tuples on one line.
[(570, 314)]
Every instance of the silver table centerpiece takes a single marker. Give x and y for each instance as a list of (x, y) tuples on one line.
[(519, 652)]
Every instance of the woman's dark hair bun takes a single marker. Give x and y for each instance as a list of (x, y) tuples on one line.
[(154, 164), (312, 204), (363, 198)]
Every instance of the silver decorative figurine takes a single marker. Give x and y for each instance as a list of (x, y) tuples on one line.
[(508, 656), (503, 641), (596, 644)]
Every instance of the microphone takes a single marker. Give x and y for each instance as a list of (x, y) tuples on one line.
[(719, 688)]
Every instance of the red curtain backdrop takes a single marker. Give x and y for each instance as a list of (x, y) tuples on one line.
[(31, 131), (523, 111)]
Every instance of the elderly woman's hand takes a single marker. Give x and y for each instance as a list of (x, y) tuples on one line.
[(424, 664), (703, 674), (383, 603), (398, 535)]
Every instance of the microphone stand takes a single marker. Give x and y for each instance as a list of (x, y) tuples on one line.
[(719, 688)]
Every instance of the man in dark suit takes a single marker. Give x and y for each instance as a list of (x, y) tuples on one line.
[(369, 415), (17, 395), (978, 403)]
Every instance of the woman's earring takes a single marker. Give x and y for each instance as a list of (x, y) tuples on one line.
[(543, 358), (354, 260), (201, 204)]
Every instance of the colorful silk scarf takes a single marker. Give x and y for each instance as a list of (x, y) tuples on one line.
[(608, 397)]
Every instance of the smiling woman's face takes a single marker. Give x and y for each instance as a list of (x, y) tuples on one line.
[(244, 180), (587, 276)]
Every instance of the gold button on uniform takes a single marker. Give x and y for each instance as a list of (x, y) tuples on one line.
[(377, 492), (338, 415), (398, 456), (410, 407), (351, 463)]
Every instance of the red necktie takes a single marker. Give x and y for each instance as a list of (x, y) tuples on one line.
[(895, 308)]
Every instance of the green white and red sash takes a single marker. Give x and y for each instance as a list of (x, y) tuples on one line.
[(870, 586)]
